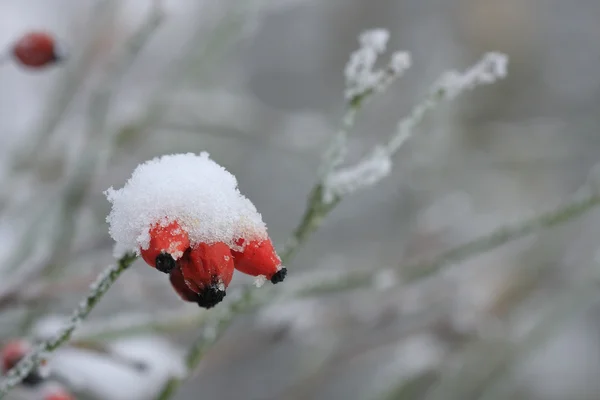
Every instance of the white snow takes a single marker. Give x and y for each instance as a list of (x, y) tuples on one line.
[(260, 280), (367, 172), (375, 39), (488, 70), (361, 77), (192, 189), (400, 62), (112, 375), (359, 72)]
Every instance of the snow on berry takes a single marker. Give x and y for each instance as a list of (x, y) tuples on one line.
[(186, 217), (191, 190)]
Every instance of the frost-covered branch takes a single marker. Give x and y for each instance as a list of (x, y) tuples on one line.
[(97, 290), (362, 82), (334, 182), (378, 163)]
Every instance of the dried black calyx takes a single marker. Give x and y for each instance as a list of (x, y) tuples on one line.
[(279, 276), (33, 379), (61, 52), (210, 296), (165, 263)]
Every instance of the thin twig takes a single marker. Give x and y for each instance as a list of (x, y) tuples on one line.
[(95, 153), (35, 357), (569, 306), (560, 215)]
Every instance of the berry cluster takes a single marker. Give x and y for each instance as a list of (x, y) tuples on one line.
[(202, 273)]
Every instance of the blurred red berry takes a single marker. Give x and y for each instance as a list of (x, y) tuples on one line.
[(37, 50), (12, 352), (259, 258), (167, 244), (57, 393)]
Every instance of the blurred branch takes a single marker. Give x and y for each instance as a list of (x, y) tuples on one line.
[(29, 293), (569, 306), (560, 215), (486, 366), (322, 373), (412, 388), (128, 325), (229, 27), (95, 152), (71, 81), (16, 374)]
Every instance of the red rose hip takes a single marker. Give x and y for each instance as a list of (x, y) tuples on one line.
[(203, 274), (167, 245), (257, 258), (38, 50)]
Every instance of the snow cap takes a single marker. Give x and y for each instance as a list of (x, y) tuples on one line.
[(191, 189)]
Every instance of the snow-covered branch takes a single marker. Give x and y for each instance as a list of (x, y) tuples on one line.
[(378, 163), (97, 290)]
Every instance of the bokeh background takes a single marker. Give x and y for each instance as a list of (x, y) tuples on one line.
[(259, 85)]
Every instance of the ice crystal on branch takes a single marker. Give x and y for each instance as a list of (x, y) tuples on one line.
[(369, 171), (377, 164), (361, 77), (489, 69)]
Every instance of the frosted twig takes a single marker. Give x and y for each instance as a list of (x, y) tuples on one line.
[(378, 164), (335, 183), (97, 290), (362, 82)]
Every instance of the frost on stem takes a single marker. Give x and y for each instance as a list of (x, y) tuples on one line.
[(39, 353), (363, 81), (488, 70), (361, 77), (378, 163), (365, 173)]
